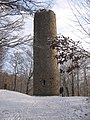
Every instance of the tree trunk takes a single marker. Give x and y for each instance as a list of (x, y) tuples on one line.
[(65, 86), (28, 81), (78, 93), (85, 83), (15, 78), (72, 84)]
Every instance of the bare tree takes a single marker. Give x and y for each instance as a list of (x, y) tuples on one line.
[(70, 55), (27, 6), (20, 65), (16, 64), (17, 8), (81, 9), (29, 77), (11, 21)]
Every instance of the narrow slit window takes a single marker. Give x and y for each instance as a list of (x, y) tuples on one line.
[(44, 82)]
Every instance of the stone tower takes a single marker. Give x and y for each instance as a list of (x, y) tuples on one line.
[(46, 75)]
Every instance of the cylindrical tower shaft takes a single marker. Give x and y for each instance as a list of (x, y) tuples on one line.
[(46, 75)]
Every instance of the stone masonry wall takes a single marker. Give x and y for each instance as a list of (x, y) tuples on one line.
[(46, 76)]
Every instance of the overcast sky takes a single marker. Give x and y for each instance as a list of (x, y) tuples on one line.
[(65, 22), (63, 15)]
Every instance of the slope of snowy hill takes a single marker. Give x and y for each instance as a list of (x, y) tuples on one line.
[(17, 106)]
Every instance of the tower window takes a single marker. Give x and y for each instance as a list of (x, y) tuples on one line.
[(44, 82)]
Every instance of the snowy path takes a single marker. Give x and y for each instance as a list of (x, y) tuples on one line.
[(17, 106)]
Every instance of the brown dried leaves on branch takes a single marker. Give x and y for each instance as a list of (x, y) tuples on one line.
[(68, 50)]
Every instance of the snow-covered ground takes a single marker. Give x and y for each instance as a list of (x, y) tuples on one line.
[(17, 106)]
